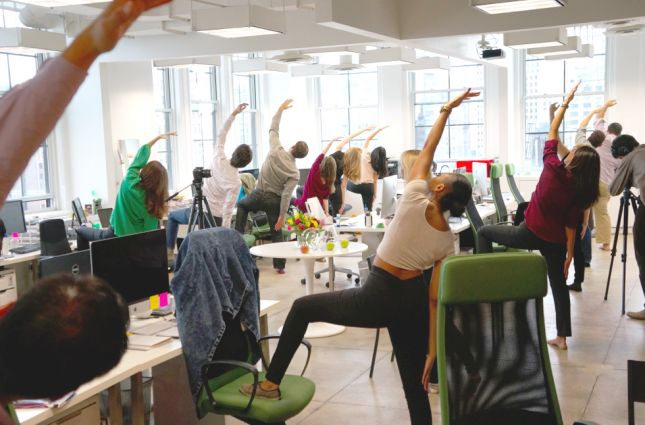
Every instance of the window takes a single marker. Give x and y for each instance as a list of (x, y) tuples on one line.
[(203, 110), (546, 82), (165, 117), (34, 186), (464, 135), (245, 91), (348, 102)]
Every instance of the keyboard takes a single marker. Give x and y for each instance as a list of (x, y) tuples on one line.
[(153, 328), (26, 249)]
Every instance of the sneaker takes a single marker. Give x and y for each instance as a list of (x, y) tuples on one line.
[(280, 271), (638, 315), (575, 286), (587, 264), (434, 388), (247, 389)]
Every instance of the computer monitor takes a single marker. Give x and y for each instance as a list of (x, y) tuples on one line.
[(393, 167), (255, 172), (13, 217), (104, 216), (79, 212), (136, 266), (304, 173), (480, 171), (75, 263), (388, 198)]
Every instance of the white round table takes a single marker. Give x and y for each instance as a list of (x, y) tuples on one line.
[(290, 250)]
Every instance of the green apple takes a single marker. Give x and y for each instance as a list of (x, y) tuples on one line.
[(330, 246), (344, 243)]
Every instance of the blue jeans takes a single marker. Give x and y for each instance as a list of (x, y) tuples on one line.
[(175, 218)]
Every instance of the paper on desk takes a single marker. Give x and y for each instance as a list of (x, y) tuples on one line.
[(44, 403)]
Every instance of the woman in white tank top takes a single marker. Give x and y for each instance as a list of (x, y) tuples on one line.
[(395, 294)]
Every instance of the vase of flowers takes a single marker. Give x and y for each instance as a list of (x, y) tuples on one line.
[(306, 229)]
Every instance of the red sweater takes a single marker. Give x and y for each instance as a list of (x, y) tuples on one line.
[(552, 205), (314, 186)]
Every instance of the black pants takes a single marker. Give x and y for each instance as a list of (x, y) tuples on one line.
[(85, 235), (554, 254), (334, 200), (366, 190), (260, 200), (579, 255), (384, 301), (639, 242)]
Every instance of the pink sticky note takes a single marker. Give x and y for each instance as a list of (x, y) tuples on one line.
[(163, 299)]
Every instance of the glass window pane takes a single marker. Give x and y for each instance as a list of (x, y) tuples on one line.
[(35, 175), (426, 115), (362, 117), (462, 77), (537, 114), (158, 88), (21, 68), (202, 84), (432, 97), (591, 71), (242, 89), (467, 141), (468, 113), (334, 122), (334, 91), (580, 106), (363, 89), (544, 77), (5, 84), (533, 151), (431, 80)]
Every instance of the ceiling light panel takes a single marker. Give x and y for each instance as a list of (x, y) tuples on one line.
[(238, 21), (574, 45), (388, 56), (495, 7), (545, 37), (31, 41)]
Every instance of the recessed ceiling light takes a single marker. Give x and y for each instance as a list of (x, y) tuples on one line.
[(238, 21), (495, 7), (545, 37)]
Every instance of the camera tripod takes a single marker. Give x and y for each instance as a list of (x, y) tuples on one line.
[(200, 217), (623, 215)]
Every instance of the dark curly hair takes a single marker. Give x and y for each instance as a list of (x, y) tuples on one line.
[(623, 145), (457, 198)]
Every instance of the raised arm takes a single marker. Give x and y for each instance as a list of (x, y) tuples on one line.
[(328, 146), (351, 137), (366, 143), (422, 165), (161, 136), (586, 120), (557, 120), (221, 137), (44, 98), (274, 132), (603, 110)]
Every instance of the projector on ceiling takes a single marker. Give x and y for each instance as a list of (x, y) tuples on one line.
[(492, 54)]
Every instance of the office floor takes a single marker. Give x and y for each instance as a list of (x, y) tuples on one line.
[(591, 377)]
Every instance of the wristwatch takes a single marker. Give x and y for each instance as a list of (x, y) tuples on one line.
[(445, 108)]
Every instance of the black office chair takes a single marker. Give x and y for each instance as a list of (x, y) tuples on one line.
[(635, 387), (510, 177), (53, 238)]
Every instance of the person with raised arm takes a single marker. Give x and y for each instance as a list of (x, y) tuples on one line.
[(566, 188), (395, 294), (28, 113), (278, 178), (608, 165), (222, 189), (320, 181)]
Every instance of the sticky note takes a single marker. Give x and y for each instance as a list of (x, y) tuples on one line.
[(163, 299), (154, 302)]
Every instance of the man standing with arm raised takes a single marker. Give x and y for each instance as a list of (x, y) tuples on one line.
[(278, 178)]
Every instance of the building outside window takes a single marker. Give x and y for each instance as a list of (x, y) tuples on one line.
[(546, 82), (353, 105), (203, 112), (464, 136)]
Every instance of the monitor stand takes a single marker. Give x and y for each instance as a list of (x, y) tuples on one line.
[(140, 310)]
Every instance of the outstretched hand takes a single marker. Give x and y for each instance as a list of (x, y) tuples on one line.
[(240, 108), (468, 94), (553, 107), (569, 97), (610, 103), (286, 104)]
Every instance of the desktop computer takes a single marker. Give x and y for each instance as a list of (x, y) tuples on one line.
[(136, 266), (304, 173), (75, 263), (79, 212), (388, 198), (13, 217)]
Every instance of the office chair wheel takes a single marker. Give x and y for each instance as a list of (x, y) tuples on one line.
[(327, 285), (349, 275), (357, 281), (317, 275), (303, 281)]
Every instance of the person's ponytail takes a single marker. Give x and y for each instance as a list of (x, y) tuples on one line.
[(458, 196)]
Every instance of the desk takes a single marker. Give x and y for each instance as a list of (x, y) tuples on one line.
[(131, 365), (290, 250)]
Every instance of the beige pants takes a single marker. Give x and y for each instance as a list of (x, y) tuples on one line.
[(601, 215)]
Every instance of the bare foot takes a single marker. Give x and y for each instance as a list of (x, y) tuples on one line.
[(559, 342)]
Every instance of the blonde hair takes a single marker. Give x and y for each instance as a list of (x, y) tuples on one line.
[(328, 172), (407, 161), (352, 164)]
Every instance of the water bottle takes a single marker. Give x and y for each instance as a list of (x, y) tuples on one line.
[(337, 220), (368, 219)]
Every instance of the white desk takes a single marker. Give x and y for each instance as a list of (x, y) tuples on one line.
[(131, 366), (290, 250)]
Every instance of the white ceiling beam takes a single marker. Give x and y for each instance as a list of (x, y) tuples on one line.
[(369, 18)]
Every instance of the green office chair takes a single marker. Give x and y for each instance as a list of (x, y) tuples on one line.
[(232, 366), (510, 177), (503, 216), (492, 354)]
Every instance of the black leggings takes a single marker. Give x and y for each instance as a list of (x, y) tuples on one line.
[(366, 190), (554, 254), (384, 301), (579, 255), (639, 242)]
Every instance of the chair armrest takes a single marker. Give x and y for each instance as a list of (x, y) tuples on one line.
[(585, 422), (236, 363), (304, 342)]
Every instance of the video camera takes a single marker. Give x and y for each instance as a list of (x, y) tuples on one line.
[(199, 174)]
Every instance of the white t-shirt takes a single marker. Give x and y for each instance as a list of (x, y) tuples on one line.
[(410, 242)]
